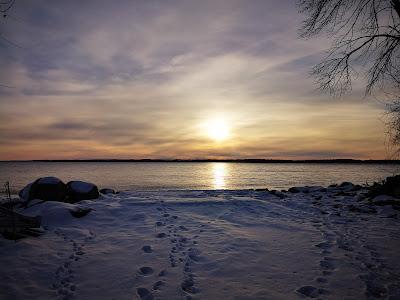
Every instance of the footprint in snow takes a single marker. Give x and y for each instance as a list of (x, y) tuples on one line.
[(327, 264), (157, 285), (188, 286), (144, 294), (147, 249), (324, 245), (146, 271), (64, 274), (311, 291)]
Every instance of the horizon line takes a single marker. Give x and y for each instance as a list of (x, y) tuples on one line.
[(244, 160)]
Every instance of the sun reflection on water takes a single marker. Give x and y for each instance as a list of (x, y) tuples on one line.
[(220, 172)]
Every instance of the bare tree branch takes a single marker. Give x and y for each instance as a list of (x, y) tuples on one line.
[(366, 40)]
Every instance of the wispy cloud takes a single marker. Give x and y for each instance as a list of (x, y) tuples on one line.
[(136, 78)]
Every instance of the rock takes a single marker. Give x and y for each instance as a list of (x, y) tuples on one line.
[(390, 186), (80, 190), (107, 191), (45, 188), (25, 193), (262, 190), (294, 190), (356, 188), (297, 189)]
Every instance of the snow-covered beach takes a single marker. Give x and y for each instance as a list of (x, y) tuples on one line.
[(325, 243)]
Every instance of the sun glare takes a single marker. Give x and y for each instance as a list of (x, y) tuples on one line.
[(217, 129)]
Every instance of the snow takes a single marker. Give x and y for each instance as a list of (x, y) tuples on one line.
[(26, 191), (49, 180), (239, 244), (82, 187)]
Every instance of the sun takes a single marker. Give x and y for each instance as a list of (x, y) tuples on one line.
[(217, 129)]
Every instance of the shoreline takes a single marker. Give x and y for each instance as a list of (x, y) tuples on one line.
[(308, 242)]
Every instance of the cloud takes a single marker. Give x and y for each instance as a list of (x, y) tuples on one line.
[(136, 78)]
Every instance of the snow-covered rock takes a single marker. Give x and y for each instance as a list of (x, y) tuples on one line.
[(48, 180), (107, 191), (45, 188), (25, 193), (80, 190)]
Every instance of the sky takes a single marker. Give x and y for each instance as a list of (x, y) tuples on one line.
[(173, 79)]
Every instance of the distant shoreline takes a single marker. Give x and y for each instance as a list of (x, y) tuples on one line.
[(279, 161)]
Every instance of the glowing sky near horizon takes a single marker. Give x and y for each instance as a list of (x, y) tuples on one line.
[(172, 79)]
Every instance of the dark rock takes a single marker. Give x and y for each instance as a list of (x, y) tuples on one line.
[(107, 191), (343, 193), (80, 190), (346, 184), (45, 188), (294, 190)]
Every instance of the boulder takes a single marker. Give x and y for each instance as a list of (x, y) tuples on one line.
[(107, 191), (80, 190), (45, 188), (294, 190), (346, 184)]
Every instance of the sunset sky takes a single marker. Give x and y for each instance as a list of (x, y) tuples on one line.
[(172, 79)]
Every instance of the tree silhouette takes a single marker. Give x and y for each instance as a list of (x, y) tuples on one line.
[(5, 6), (366, 40)]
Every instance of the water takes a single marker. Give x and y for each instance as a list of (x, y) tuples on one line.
[(157, 176)]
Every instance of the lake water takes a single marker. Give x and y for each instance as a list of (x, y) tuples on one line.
[(184, 175)]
